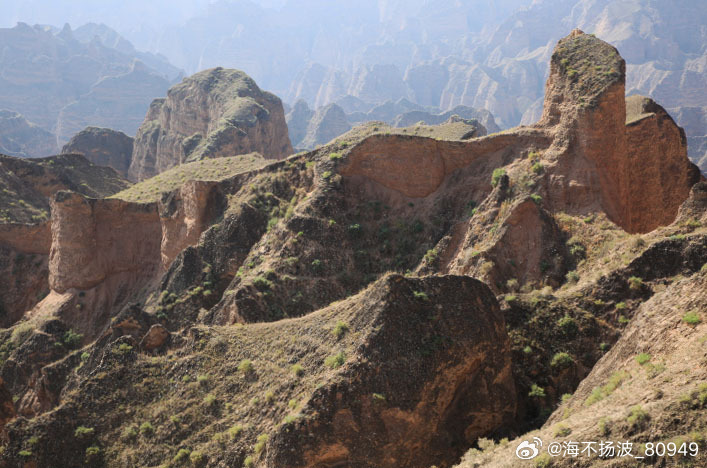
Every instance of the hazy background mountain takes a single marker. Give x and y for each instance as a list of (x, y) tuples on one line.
[(437, 54)]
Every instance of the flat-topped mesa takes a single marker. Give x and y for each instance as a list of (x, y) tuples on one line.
[(215, 113)]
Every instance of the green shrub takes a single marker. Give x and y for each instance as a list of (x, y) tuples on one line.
[(355, 230), (603, 347), (561, 361), (72, 339), (197, 459), (543, 461), (511, 298), (536, 391), (182, 455), (292, 404), (340, 329), (335, 156), (536, 198), (643, 358), (93, 451), (568, 325), (147, 429), (21, 332), (235, 430), (260, 444), (421, 295), (691, 318), (203, 380), (604, 427), (599, 393), (635, 283), (261, 283), (326, 175), (431, 256), (527, 350), (83, 432), (620, 306), (210, 400), (496, 176), (129, 433), (249, 462), (565, 397), (537, 168), (245, 366), (562, 431), (637, 417), (336, 360), (572, 277), (316, 264), (25, 453), (623, 320), (298, 370)]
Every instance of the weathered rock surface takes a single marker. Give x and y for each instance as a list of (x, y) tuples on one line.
[(215, 113), (23, 139), (103, 147)]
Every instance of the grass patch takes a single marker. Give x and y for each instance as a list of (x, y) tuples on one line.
[(691, 318), (336, 360)]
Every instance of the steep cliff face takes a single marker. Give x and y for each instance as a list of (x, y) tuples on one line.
[(103, 147), (609, 155), (212, 114)]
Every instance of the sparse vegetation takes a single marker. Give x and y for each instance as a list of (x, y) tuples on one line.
[(635, 283), (340, 329), (692, 318), (336, 360), (561, 361), (246, 366), (536, 391), (496, 176)]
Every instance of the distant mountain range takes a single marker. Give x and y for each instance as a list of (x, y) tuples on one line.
[(60, 81)]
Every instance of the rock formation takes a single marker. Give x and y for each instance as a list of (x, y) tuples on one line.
[(278, 336), (25, 236), (23, 139), (212, 114), (103, 147)]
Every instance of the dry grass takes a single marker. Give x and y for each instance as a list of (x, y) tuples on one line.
[(217, 169)]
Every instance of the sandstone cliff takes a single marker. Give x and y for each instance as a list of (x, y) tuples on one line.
[(276, 335), (103, 147), (212, 114)]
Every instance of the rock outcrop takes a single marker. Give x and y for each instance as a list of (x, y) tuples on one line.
[(212, 114), (23, 139), (103, 147)]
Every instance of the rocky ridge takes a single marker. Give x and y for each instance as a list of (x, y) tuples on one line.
[(212, 114), (259, 367)]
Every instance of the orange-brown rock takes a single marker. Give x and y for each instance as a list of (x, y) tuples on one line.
[(214, 113), (185, 214), (155, 338), (419, 397), (93, 240)]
